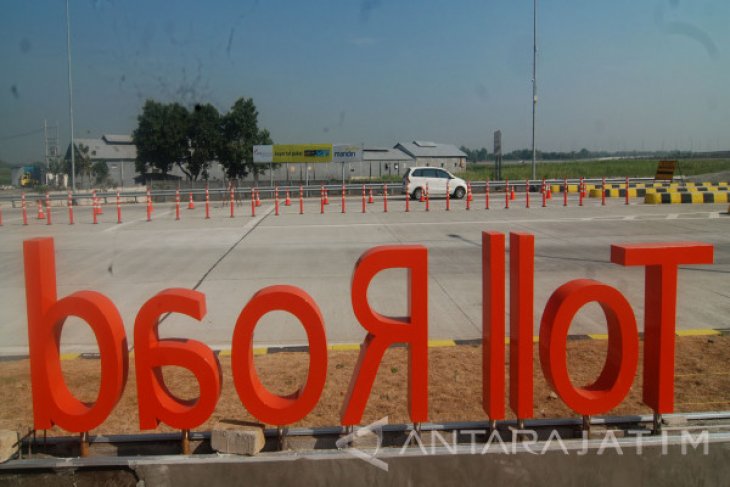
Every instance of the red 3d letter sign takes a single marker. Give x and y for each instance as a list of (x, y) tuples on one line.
[(384, 331), (156, 402), (613, 383), (265, 406), (53, 403)]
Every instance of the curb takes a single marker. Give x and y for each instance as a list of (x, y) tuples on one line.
[(473, 342)]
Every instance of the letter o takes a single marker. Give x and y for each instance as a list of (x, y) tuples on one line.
[(265, 406), (622, 358)]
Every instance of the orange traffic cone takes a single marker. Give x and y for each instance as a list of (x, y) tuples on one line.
[(41, 215), (549, 193), (287, 202), (258, 200), (191, 203), (512, 195), (371, 200), (99, 210), (326, 199), (422, 198)]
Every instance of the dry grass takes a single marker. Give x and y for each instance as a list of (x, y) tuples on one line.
[(702, 383)]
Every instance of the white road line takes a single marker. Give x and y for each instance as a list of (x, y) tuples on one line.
[(601, 219), (124, 224), (672, 216), (715, 214)]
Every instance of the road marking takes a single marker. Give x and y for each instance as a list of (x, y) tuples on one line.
[(672, 216), (597, 219), (715, 215), (598, 336), (344, 346), (697, 333), (143, 219)]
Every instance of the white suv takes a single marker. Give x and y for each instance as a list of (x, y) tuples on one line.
[(416, 178)]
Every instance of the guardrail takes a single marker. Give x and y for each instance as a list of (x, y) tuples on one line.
[(223, 194)]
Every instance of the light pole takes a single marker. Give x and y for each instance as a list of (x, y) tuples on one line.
[(534, 83), (70, 98)]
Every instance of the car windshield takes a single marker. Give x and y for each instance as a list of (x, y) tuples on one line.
[(289, 223)]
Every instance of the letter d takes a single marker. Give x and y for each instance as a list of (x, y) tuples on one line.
[(53, 403)]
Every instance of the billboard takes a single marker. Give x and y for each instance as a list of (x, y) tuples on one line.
[(304, 153), (346, 153), (263, 154)]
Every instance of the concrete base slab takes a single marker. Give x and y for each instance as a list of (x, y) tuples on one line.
[(237, 437)]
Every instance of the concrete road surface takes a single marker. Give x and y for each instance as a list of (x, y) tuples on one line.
[(229, 259)]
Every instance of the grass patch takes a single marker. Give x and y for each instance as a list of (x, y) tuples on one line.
[(634, 168), (596, 169)]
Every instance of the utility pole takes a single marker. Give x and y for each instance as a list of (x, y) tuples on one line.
[(70, 99), (534, 83)]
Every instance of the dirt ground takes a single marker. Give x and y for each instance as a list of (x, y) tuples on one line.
[(702, 384)]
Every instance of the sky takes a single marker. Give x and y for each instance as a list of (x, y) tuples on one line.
[(612, 75)]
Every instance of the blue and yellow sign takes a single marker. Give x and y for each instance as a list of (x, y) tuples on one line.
[(302, 153)]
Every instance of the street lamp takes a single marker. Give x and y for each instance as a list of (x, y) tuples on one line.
[(534, 83), (70, 98)]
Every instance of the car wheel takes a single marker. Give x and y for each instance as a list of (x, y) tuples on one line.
[(459, 193), (417, 194)]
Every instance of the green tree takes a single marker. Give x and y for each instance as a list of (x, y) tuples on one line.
[(161, 136), (240, 133), (83, 162), (100, 171), (204, 136)]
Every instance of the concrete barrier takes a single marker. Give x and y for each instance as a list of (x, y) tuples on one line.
[(618, 193), (616, 462), (572, 188), (613, 191), (687, 197)]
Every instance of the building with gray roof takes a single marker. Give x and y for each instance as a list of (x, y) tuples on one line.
[(383, 161), (117, 151), (434, 154)]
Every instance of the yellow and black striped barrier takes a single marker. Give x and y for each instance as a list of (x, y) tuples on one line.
[(619, 191), (572, 188), (641, 185), (681, 189), (693, 197)]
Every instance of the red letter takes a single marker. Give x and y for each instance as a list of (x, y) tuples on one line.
[(493, 324), (618, 372), (384, 331), (660, 306), (53, 403), (265, 406), (521, 282), (156, 402)]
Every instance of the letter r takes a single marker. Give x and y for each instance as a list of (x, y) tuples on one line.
[(384, 331)]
